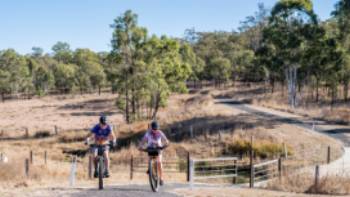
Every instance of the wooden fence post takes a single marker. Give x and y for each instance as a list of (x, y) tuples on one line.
[(131, 167), (236, 172), (188, 166), (317, 177), (45, 157), (251, 181), (26, 167), (329, 155), (280, 169), (56, 130), (31, 157), (90, 166), (26, 132)]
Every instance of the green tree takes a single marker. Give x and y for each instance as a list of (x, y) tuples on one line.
[(90, 73), (289, 21), (220, 69), (62, 52), (127, 39), (14, 73), (37, 52), (65, 75), (341, 15)]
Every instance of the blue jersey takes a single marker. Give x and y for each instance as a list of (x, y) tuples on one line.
[(101, 134)]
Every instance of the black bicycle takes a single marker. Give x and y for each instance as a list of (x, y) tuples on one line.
[(100, 162), (154, 178)]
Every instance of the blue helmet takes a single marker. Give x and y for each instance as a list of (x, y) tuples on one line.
[(154, 125), (103, 119)]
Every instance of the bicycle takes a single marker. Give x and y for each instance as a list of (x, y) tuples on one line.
[(100, 163), (153, 164)]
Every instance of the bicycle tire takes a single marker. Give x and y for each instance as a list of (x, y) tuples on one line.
[(100, 173), (153, 175)]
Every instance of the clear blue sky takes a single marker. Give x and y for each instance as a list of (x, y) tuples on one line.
[(85, 23)]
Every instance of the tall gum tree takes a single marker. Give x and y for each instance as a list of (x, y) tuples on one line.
[(285, 34)]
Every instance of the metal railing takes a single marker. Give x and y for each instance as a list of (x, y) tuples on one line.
[(212, 168)]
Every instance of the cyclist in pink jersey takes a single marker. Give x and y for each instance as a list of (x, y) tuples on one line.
[(155, 138)]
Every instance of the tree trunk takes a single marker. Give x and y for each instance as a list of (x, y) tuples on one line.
[(317, 89), (272, 83), (156, 106), (133, 103), (345, 90), (291, 76), (127, 113)]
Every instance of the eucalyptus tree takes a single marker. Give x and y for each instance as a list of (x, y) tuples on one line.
[(62, 52), (14, 73), (342, 18), (90, 73), (65, 77), (286, 35), (127, 39)]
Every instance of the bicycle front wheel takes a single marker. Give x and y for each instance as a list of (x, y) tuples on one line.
[(100, 173), (153, 175)]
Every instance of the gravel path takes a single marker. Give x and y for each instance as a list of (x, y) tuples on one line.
[(340, 167)]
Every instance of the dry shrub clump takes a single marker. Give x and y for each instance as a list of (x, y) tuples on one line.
[(262, 148), (305, 183)]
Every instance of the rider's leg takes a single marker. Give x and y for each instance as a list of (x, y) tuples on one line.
[(160, 167), (93, 156), (106, 155)]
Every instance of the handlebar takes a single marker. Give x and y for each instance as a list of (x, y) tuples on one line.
[(151, 149), (111, 144)]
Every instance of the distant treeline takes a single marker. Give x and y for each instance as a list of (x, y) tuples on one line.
[(287, 44)]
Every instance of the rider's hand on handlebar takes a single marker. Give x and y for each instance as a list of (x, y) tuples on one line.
[(113, 143)]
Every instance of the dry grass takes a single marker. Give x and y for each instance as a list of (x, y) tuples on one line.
[(183, 111), (305, 183), (69, 137), (237, 192)]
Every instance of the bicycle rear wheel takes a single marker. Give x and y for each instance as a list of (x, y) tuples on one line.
[(100, 173), (153, 175)]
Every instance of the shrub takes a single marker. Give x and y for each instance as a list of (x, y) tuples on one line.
[(262, 148)]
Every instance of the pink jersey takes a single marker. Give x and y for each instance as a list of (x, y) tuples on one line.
[(154, 139)]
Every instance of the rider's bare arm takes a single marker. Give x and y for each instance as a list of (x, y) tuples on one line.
[(90, 138), (142, 143), (112, 137), (164, 139)]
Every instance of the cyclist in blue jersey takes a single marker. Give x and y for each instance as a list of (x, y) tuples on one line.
[(101, 134)]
